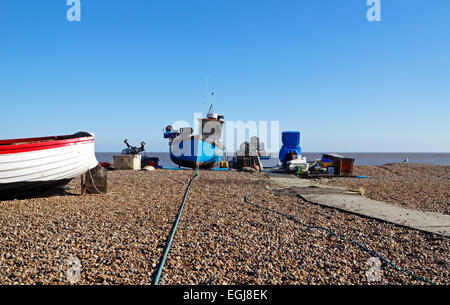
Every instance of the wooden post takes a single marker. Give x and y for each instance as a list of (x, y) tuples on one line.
[(258, 160), (83, 185)]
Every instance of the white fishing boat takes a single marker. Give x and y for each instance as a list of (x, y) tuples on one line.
[(32, 166)]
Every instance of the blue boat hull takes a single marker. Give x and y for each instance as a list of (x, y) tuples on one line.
[(196, 151)]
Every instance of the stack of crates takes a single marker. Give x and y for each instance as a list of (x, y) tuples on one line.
[(325, 162), (243, 161)]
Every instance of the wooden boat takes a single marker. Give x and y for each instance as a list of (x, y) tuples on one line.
[(32, 166)]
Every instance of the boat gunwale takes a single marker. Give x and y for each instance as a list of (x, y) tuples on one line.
[(14, 146)]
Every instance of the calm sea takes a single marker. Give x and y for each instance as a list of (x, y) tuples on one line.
[(360, 158)]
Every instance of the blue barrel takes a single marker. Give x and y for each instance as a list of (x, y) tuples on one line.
[(291, 145)]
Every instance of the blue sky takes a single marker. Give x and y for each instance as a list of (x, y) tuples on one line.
[(130, 68)]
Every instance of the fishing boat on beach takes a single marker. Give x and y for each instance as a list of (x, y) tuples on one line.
[(204, 150), (32, 166)]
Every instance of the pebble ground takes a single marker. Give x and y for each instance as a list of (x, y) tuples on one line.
[(119, 237), (419, 186)]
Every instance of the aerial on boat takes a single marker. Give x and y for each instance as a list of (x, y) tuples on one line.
[(32, 166), (203, 150)]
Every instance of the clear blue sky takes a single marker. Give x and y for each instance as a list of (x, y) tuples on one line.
[(130, 68)]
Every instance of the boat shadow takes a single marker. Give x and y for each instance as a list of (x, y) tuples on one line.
[(59, 192)]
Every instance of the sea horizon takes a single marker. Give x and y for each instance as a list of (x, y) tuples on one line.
[(361, 158)]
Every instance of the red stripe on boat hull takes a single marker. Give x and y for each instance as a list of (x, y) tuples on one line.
[(10, 146)]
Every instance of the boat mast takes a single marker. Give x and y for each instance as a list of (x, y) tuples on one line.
[(206, 92), (211, 108)]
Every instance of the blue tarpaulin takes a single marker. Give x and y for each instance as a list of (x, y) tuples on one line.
[(291, 144)]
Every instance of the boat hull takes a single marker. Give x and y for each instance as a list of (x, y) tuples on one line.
[(196, 151), (41, 164)]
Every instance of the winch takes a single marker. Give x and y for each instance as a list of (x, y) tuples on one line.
[(132, 150)]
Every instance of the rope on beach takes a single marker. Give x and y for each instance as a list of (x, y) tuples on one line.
[(174, 228), (331, 233), (100, 192), (93, 183)]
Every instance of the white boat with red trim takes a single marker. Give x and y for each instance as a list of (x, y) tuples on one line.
[(32, 166)]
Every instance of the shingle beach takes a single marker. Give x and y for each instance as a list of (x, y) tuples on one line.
[(118, 238)]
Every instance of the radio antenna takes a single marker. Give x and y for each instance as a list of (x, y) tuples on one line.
[(206, 91), (211, 108)]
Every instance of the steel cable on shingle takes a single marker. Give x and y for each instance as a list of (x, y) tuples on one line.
[(331, 233), (174, 228)]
